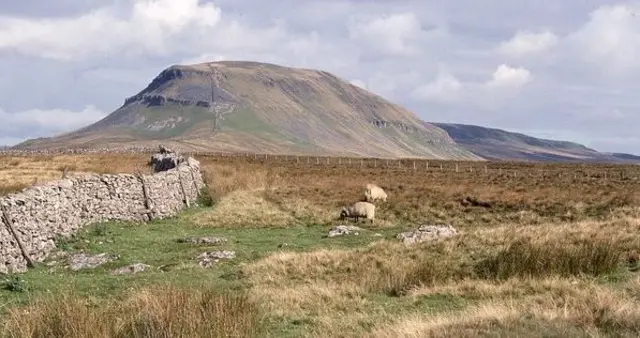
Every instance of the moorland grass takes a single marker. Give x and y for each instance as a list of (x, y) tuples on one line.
[(546, 255)]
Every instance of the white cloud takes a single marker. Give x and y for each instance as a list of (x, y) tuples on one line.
[(445, 88), (509, 77), (203, 58), (526, 42), (393, 34), (610, 38), (51, 121), (152, 26), (392, 50)]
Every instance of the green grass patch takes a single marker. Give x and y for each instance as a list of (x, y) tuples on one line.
[(172, 263)]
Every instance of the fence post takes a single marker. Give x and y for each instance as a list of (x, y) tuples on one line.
[(414, 165), (427, 165), (456, 167), (9, 223), (361, 163)]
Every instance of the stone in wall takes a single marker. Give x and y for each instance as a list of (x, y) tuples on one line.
[(165, 160), (59, 208)]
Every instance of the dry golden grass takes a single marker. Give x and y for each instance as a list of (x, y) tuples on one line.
[(558, 308), (244, 208), (549, 261), (154, 312), (550, 256), (18, 172)]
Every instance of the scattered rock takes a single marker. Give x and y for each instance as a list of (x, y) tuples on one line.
[(131, 269), (83, 261), (207, 259), (58, 254), (344, 230), (204, 240), (427, 233), (283, 245)]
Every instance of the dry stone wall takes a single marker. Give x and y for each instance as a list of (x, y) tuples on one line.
[(39, 214)]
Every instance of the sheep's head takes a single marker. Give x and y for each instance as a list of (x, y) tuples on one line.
[(344, 213)]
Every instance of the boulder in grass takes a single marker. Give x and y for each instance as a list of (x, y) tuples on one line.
[(427, 232)]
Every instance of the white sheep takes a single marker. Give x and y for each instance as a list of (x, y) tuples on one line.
[(359, 209), (373, 192)]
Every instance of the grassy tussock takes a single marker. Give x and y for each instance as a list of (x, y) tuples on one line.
[(157, 312), (524, 258), (245, 209), (491, 265), (536, 261), (223, 178), (594, 311)]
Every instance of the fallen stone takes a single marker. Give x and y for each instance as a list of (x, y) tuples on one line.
[(58, 254), (203, 240), (131, 269), (344, 230), (83, 261), (208, 259), (426, 233)]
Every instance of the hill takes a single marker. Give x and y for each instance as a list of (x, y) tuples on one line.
[(241, 106), (497, 144)]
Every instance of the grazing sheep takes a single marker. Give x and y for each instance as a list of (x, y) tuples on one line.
[(373, 192), (359, 209)]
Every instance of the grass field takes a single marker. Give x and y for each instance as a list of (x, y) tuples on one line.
[(552, 254)]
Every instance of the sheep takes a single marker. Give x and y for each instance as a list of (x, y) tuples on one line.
[(359, 209), (373, 192)]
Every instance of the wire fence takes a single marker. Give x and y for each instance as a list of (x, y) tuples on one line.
[(602, 171), (578, 170)]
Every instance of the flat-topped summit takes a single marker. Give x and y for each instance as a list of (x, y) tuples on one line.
[(247, 106)]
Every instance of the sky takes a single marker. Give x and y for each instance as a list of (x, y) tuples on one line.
[(563, 70)]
